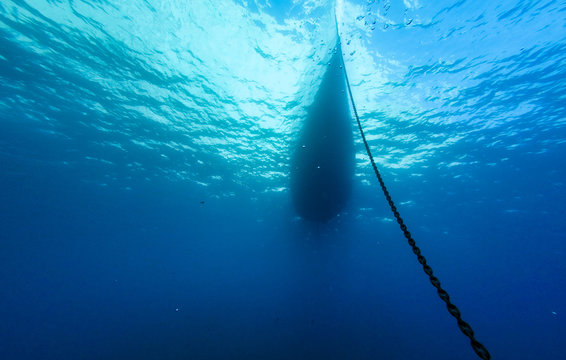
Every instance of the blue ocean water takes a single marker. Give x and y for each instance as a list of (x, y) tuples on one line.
[(145, 210)]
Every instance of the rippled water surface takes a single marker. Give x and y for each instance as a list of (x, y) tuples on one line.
[(145, 153)]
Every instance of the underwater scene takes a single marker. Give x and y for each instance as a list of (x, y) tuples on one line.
[(191, 179)]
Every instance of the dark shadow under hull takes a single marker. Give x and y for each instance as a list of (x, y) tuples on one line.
[(322, 161)]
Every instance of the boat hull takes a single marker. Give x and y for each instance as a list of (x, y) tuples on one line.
[(322, 161)]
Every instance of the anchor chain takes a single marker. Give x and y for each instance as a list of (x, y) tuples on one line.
[(466, 329)]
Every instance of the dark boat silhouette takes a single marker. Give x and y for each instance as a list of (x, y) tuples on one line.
[(322, 160)]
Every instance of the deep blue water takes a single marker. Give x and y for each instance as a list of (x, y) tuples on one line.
[(145, 210)]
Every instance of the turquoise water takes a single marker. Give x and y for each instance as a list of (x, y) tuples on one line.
[(145, 209)]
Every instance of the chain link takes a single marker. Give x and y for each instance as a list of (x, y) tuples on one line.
[(466, 329)]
